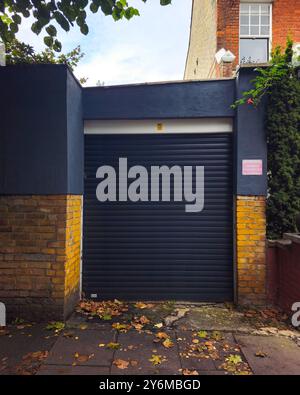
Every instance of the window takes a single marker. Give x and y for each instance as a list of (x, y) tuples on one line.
[(255, 28)]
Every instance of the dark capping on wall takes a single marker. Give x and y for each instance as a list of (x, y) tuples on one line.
[(186, 99), (250, 139), (41, 135)]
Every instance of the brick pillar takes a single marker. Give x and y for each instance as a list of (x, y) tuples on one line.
[(40, 244), (226, 69), (251, 249)]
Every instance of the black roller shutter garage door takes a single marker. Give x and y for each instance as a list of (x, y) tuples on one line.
[(157, 250)]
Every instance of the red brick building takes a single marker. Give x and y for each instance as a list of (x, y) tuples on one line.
[(249, 29)]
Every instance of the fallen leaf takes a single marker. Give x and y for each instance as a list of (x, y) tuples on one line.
[(133, 363), (217, 336), (195, 341), (101, 345), (121, 327), (68, 334), (202, 334), (168, 343), (121, 364), (144, 320), (159, 325), (261, 354), (156, 359), (140, 305), (234, 359), (106, 317), (131, 347), (162, 335), (83, 327), (56, 326), (187, 372), (137, 326), (82, 358), (113, 346)]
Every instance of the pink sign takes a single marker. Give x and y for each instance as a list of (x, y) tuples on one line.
[(252, 167)]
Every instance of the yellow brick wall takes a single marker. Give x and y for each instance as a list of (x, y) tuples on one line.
[(203, 41), (251, 249), (40, 238), (73, 249)]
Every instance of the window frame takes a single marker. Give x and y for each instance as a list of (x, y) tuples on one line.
[(257, 36)]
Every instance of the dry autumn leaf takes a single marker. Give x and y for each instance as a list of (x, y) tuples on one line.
[(162, 335), (121, 327), (261, 354), (133, 363), (144, 320), (121, 364), (168, 343), (140, 305), (83, 327), (156, 359), (187, 372), (81, 358), (137, 326), (113, 346)]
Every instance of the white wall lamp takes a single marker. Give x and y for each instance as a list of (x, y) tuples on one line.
[(224, 56)]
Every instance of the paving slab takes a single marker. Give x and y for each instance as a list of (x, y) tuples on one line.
[(214, 317), (83, 343), (19, 342), (283, 355), (139, 347), (67, 370)]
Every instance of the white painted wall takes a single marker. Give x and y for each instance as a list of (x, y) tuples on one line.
[(166, 126)]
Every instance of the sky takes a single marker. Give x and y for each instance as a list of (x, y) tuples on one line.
[(151, 47)]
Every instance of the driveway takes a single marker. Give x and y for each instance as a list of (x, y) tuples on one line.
[(164, 338)]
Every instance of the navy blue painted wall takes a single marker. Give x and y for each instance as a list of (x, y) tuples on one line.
[(41, 131), (161, 100), (250, 142), (42, 108), (75, 141)]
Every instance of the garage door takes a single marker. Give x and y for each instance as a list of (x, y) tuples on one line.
[(158, 250)]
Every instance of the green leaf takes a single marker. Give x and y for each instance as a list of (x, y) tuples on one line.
[(234, 359), (94, 7), (5, 19), (14, 27), (55, 325), (57, 46), (84, 29), (36, 28), (48, 40), (83, 3), (16, 18), (113, 346), (61, 20), (202, 334), (51, 30)]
